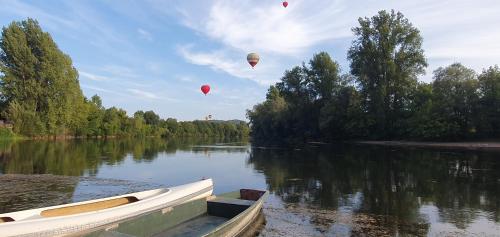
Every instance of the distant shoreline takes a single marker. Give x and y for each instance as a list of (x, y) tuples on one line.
[(491, 146)]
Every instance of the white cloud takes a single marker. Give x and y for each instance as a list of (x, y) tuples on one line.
[(156, 67), (92, 77), (25, 10), (119, 71), (143, 94), (453, 30), (149, 95), (215, 59), (184, 78), (232, 63), (143, 34), (94, 88), (266, 27)]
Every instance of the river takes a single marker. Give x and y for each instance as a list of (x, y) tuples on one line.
[(327, 190)]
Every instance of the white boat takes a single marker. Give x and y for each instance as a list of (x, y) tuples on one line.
[(78, 217)]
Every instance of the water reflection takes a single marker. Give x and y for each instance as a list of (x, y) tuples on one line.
[(388, 182), (84, 157)]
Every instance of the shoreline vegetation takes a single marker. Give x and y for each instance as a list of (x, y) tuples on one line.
[(381, 97), (41, 98)]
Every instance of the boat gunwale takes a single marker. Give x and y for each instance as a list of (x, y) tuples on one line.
[(36, 214)]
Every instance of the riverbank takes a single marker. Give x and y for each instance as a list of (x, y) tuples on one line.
[(490, 146)]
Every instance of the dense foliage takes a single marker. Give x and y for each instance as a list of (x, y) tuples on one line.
[(40, 94), (381, 98)]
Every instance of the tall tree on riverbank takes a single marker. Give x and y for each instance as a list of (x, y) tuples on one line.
[(39, 85), (386, 57)]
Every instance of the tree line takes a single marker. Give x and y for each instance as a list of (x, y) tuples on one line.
[(381, 97), (41, 95)]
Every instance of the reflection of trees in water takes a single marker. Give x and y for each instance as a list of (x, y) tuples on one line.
[(79, 157), (391, 182), (472, 183)]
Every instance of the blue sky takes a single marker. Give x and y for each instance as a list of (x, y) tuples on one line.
[(155, 55)]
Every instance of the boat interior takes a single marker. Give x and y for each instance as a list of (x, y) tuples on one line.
[(195, 218), (80, 208), (88, 207)]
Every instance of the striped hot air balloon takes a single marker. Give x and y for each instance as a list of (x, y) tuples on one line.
[(253, 59)]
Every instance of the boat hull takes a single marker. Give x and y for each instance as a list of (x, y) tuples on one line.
[(64, 220)]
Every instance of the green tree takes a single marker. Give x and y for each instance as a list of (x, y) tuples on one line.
[(39, 85), (267, 118), (322, 76), (307, 90), (95, 117), (111, 121), (139, 114), (151, 118), (172, 126), (293, 106), (386, 57), (243, 129), (139, 126), (455, 98), (342, 117), (424, 122), (489, 104), (293, 87)]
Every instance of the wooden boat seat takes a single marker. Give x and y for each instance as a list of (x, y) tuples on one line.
[(88, 207), (227, 207)]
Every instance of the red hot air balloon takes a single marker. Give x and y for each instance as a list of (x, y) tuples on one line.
[(205, 89), (285, 4)]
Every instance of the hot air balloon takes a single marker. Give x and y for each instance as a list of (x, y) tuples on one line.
[(253, 59), (205, 89), (285, 4)]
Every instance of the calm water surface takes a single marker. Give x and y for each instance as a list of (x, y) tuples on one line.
[(335, 190)]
